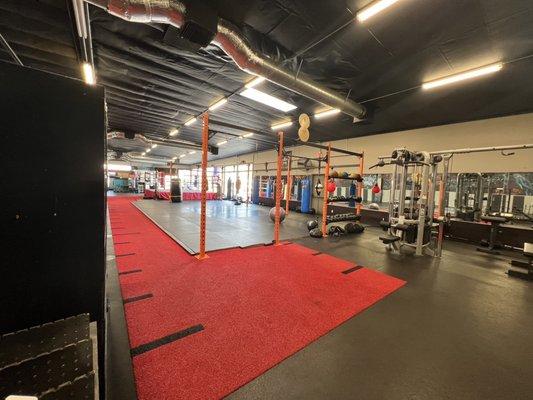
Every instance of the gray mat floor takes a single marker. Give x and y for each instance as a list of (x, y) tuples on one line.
[(228, 225)]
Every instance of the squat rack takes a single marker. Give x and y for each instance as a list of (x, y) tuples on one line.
[(327, 160)]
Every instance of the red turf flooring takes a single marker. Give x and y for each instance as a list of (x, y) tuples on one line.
[(258, 306)]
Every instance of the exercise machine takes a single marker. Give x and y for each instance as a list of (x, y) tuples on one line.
[(524, 270), (410, 221)]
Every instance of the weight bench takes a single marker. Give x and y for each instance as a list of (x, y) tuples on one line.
[(389, 239), (494, 226), (526, 268)]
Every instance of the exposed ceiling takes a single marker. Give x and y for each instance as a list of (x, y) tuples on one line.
[(153, 87)]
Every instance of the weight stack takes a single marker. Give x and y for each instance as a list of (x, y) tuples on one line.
[(175, 191)]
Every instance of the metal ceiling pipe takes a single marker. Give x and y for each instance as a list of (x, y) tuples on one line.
[(232, 42), (182, 144)]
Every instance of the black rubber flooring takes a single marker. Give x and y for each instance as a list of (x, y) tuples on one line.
[(459, 329), (228, 225)]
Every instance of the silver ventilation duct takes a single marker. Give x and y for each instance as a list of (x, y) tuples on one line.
[(232, 42), (182, 144)]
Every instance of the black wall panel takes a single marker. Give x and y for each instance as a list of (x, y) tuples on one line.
[(52, 203)]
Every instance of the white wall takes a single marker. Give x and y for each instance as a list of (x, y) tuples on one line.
[(517, 129)]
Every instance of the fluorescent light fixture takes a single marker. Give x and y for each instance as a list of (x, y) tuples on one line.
[(191, 121), (221, 143), (281, 125), (154, 146), (192, 152), (143, 154), (88, 74), (254, 82), (489, 69), (268, 100), (218, 104), (248, 134), (174, 158), (327, 113), (148, 150), (183, 155), (174, 132), (118, 167), (374, 8)]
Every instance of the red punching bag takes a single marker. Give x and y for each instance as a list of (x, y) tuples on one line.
[(331, 186), (376, 189)]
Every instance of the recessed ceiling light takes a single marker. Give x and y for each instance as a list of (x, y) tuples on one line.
[(374, 8), (88, 74), (248, 134), (254, 82), (143, 154), (148, 150), (327, 113), (154, 146), (218, 104), (281, 125), (192, 152), (190, 121), (268, 100), (462, 76), (174, 132), (221, 143)]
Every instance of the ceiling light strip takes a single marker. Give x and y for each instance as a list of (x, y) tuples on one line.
[(374, 8), (474, 73)]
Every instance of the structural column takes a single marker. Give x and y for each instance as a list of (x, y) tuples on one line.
[(326, 194), (205, 139), (278, 190)]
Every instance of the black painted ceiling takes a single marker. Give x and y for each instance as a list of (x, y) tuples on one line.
[(153, 87)]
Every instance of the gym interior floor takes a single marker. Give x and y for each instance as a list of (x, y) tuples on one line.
[(459, 328)]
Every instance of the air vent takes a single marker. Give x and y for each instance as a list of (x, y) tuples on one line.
[(200, 26)]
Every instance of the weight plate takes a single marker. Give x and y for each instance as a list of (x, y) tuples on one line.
[(303, 134), (304, 120)]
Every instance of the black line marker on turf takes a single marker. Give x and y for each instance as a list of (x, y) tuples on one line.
[(124, 255), (143, 348), (131, 271), (316, 254), (122, 242), (129, 233), (349, 271), (137, 298)]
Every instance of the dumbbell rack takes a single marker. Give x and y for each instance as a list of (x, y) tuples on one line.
[(53, 361)]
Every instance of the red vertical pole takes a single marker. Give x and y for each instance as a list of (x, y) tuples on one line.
[(326, 195), (278, 190), (289, 187), (360, 185), (205, 139)]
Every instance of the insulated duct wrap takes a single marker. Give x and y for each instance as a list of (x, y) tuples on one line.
[(233, 43)]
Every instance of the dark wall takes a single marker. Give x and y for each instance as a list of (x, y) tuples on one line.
[(52, 203)]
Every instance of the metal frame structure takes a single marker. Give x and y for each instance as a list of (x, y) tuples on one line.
[(327, 159), (427, 216)]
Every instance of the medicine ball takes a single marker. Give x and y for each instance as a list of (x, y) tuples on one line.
[(358, 228), (373, 206), (316, 233), (376, 189), (345, 174), (332, 186), (272, 214), (312, 224), (349, 227), (334, 174)]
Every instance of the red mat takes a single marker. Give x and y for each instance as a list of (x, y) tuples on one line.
[(258, 306)]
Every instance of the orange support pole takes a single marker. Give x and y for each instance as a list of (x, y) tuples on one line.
[(205, 139), (278, 190), (326, 195), (289, 187), (360, 185)]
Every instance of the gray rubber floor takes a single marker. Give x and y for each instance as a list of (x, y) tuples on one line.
[(228, 225), (459, 329)]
